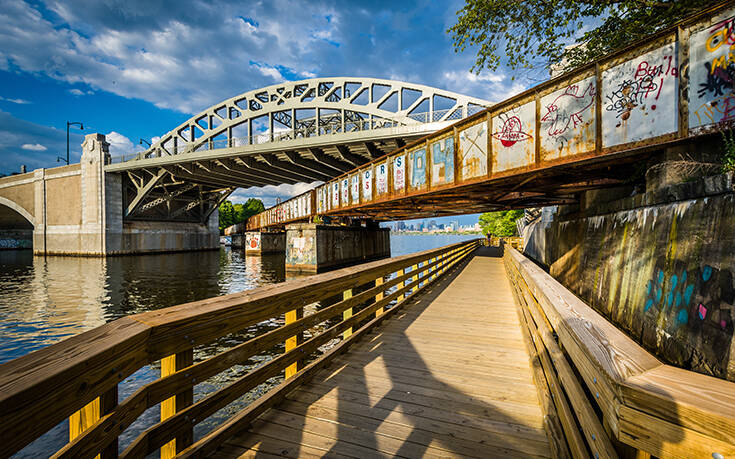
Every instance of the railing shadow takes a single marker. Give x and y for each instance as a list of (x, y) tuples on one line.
[(438, 417)]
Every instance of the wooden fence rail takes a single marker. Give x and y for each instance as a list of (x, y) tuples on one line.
[(590, 366), (78, 377)]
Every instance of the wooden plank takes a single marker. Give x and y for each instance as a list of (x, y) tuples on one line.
[(204, 446), (347, 313), (78, 369), (379, 296)]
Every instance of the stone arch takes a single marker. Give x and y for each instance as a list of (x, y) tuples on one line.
[(17, 209)]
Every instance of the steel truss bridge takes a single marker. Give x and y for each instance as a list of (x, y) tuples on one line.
[(302, 131)]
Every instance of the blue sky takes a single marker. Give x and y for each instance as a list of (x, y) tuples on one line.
[(136, 69)]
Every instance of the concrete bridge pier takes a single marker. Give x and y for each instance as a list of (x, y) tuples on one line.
[(312, 247), (261, 242)]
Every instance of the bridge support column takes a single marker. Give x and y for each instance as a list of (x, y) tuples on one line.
[(258, 242), (317, 248)]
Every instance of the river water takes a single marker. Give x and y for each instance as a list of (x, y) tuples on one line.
[(46, 299)]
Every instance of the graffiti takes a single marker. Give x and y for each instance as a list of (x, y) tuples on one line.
[(473, 151), (399, 173), (712, 73), (511, 132), (442, 160), (335, 195), (252, 240), (640, 97), (700, 299), (513, 144), (417, 160), (345, 192), (367, 185), (631, 94), (301, 251), (355, 183), (566, 110), (381, 178)]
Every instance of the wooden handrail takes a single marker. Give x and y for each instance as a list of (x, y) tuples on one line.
[(647, 405), (43, 388)]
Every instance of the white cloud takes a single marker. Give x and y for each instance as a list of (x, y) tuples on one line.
[(79, 92), (33, 147), (121, 145), (16, 101)]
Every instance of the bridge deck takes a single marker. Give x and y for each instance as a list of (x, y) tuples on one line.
[(448, 376)]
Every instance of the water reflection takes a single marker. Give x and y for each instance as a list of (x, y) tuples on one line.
[(44, 300)]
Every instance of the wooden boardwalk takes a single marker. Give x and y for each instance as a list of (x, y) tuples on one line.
[(448, 376)]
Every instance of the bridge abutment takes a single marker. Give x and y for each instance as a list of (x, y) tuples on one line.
[(260, 242), (312, 247)]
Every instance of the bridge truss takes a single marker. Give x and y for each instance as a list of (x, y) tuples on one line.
[(302, 131)]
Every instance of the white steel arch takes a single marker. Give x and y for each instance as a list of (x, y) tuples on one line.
[(313, 107)]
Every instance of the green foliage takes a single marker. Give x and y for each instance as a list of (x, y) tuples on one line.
[(232, 214), (728, 156), (502, 223), (537, 32)]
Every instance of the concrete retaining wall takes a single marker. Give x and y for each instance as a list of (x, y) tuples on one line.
[(659, 265), (317, 248)]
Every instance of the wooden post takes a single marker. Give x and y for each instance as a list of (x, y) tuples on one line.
[(292, 342), (347, 313), (415, 277), (91, 413), (433, 270), (170, 406), (400, 285), (379, 296)]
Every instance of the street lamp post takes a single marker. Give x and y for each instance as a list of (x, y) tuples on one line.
[(147, 142), (81, 127)]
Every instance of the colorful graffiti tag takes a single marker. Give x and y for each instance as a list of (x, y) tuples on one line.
[(473, 151), (632, 93), (712, 74), (399, 173), (699, 302), (367, 185), (442, 161), (513, 143), (345, 186), (417, 161), (355, 185), (381, 178), (568, 120)]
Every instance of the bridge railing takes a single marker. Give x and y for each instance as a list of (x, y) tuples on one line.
[(603, 394), (78, 378), (328, 128), (669, 88)]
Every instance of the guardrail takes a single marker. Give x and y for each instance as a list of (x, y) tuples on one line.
[(589, 367), (671, 87), (78, 377)]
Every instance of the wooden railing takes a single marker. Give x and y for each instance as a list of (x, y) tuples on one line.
[(78, 377), (602, 393)]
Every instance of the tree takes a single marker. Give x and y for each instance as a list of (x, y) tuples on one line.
[(501, 223), (541, 30), (232, 214)]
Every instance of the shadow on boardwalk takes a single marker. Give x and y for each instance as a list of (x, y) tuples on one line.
[(391, 396)]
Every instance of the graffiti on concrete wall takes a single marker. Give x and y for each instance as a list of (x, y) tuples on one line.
[(513, 138), (355, 188), (399, 173), (442, 161), (712, 74), (381, 179), (301, 250), (568, 120), (699, 301), (252, 241), (473, 151), (367, 185), (417, 168), (639, 97)]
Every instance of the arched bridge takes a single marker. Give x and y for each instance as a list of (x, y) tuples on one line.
[(302, 131)]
